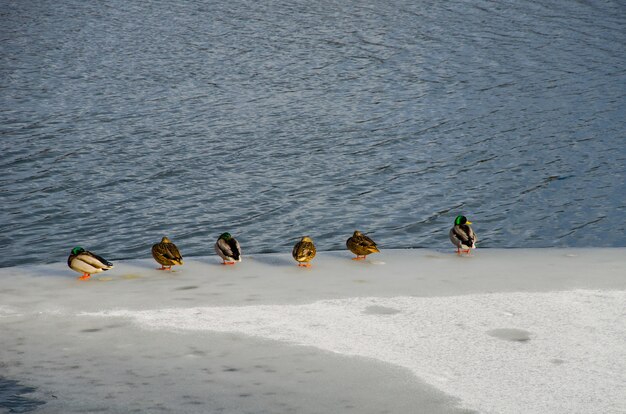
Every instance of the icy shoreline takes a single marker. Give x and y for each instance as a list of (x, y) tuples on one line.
[(541, 329)]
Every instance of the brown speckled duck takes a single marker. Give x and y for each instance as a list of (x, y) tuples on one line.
[(304, 251), (166, 254), (361, 245)]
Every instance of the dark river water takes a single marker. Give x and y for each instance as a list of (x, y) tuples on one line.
[(123, 121)]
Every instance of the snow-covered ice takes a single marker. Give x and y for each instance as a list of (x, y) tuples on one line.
[(503, 331)]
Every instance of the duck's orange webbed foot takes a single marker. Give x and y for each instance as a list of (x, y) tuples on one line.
[(228, 263), (359, 258), (85, 276)]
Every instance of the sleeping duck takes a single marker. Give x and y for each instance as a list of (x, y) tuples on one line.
[(87, 263), (227, 247), (166, 254), (304, 251), (462, 235), (361, 245)]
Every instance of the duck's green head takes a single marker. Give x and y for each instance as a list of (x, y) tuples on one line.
[(77, 250), (226, 236), (461, 220)]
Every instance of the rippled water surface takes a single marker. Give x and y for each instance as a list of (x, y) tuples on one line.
[(123, 121)]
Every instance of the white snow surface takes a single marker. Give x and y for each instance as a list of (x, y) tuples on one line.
[(572, 357), (501, 331)]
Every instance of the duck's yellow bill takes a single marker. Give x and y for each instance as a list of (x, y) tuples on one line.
[(468, 222)]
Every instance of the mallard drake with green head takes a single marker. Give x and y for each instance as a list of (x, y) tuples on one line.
[(361, 245), (166, 254), (304, 251), (462, 235), (228, 248), (87, 263)]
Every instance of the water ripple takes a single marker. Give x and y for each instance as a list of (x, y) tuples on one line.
[(277, 120)]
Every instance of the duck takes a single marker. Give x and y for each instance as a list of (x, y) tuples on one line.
[(166, 254), (361, 245), (87, 263), (304, 251), (228, 248), (462, 235)]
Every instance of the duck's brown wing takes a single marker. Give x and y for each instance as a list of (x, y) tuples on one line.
[(235, 248), (361, 245), (461, 233), (472, 235), (304, 251), (464, 234), (173, 252), (224, 250), (166, 254), (368, 243)]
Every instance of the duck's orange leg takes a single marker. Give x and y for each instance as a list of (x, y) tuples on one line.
[(359, 257), (85, 276), (228, 263)]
